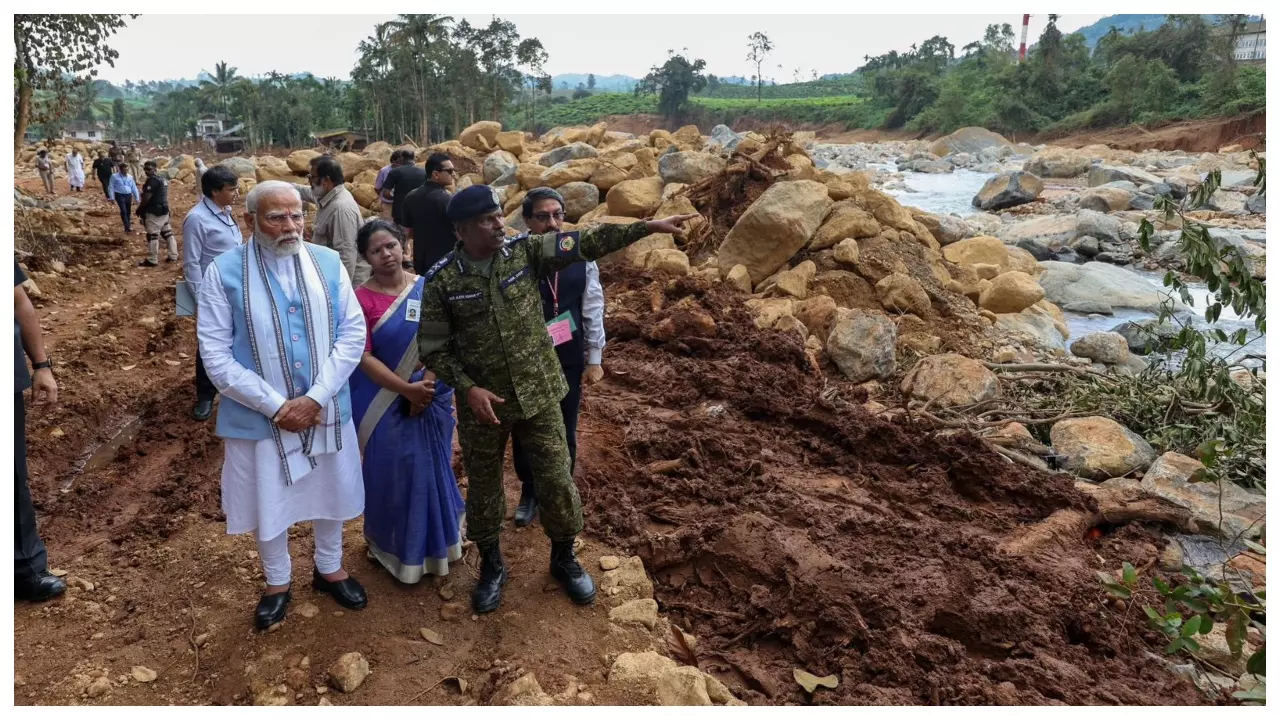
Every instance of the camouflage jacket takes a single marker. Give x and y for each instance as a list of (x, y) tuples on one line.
[(489, 330)]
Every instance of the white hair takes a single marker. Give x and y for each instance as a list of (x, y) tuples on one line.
[(268, 187)]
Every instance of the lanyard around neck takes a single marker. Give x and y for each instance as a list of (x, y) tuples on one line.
[(554, 286), (218, 214)]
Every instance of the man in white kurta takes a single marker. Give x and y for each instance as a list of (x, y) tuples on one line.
[(280, 332)]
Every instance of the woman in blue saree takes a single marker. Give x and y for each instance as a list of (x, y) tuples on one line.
[(404, 417)]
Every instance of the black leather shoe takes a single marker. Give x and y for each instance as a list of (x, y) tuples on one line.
[(349, 593), (493, 575), (271, 609), (569, 573), (202, 410), (527, 508), (148, 263), (39, 588)]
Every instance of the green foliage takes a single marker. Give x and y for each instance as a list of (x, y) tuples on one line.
[(673, 82), (50, 54), (758, 48), (1194, 607)]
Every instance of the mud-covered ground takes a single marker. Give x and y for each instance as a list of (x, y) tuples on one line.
[(783, 527)]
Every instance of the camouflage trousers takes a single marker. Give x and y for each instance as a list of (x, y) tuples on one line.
[(484, 448)]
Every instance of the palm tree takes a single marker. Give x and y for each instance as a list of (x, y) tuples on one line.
[(416, 34), (223, 76)]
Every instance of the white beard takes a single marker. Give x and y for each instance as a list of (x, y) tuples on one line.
[(275, 246)]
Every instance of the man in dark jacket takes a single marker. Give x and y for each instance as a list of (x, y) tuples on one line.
[(402, 180), (424, 214)]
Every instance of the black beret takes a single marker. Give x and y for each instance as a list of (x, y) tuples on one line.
[(471, 201)]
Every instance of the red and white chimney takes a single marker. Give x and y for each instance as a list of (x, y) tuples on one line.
[(1022, 49)]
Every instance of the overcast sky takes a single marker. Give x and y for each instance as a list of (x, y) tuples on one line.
[(160, 47)]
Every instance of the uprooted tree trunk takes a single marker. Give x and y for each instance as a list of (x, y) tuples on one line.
[(1116, 506)]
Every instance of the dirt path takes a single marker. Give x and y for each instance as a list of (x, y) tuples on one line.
[(154, 575)]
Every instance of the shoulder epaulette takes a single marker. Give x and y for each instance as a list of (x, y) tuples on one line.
[(440, 264), (513, 240)]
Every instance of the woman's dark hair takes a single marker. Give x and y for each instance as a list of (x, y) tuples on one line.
[(371, 228), (216, 178)]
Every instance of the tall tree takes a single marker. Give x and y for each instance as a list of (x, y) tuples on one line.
[(50, 48), (223, 77), (673, 82), (758, 48), (591, 81), (118, 115)]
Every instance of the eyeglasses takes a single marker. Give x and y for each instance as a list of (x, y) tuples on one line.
[(451, 171), (277, 218), (546, 217)]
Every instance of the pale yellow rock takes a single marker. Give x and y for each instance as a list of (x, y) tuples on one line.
[(739, 278), (949, 380), (1011, 292), (670, 261)]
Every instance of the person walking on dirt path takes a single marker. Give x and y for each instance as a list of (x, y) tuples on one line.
[(116, 154), (412, 507), (426, 217), (44, 167), (574, 291), (153, 208), (134, 158), (75, 170), (102, 168), (208, 231), (281, 331), (338, 216), (31, 577), (125, 192), (482, 332)]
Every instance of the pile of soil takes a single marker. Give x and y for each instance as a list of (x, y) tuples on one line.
[(787, 528)]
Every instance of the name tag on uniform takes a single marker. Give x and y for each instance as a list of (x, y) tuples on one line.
[(561, 328), (412, 309)]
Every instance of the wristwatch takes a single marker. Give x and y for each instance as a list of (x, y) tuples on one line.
[(46, 363)]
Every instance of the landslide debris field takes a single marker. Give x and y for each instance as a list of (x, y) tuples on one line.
[(784, 518)]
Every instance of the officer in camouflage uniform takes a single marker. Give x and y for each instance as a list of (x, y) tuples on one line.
[(134, 157), (482, 332)]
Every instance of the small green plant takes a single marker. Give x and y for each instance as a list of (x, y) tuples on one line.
[(1194, 607)]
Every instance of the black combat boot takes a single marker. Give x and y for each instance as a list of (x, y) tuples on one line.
[(493, 575), (527, 508), (569, 573)]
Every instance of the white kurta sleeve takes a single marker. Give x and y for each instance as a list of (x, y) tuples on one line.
[(347, 348), (593, 315), (215, 332)]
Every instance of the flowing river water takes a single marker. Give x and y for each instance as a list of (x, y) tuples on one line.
[(952, 193)]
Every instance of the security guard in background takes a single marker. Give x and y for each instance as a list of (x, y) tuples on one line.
[(482, 332)]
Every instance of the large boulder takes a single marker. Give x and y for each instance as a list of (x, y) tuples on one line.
[(511, 141), (497, 164), (902, 293), (1099, 448), (242, 167), (1033, 327), (529, 175), (1011, 292), (1106, 198), (379, 151), (845, 220), (1102, 282), (274, 168), (725, 137), (946, 229), (353, 164), (364, 195), (572, 151), (580, 198), (949, 380), (1173, 478), (1098, 225), (1050, 232), (482, 136), (1104, 347), (972, 140), (300, 161), (567, 172), (862, 344), (636, 198), (777, 225), (1103, 174), (1008, 190), (689, 167), (1054, 162), (984, 250), (886, 210)]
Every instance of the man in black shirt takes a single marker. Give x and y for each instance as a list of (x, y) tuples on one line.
[(401, 181), (102, 167), (31, 577), (425, 220), (153, 208)]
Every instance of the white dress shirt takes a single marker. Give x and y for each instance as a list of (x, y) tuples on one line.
[(593, 315), (255, 496)]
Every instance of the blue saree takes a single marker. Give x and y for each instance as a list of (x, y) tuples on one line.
[(413, 508)]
